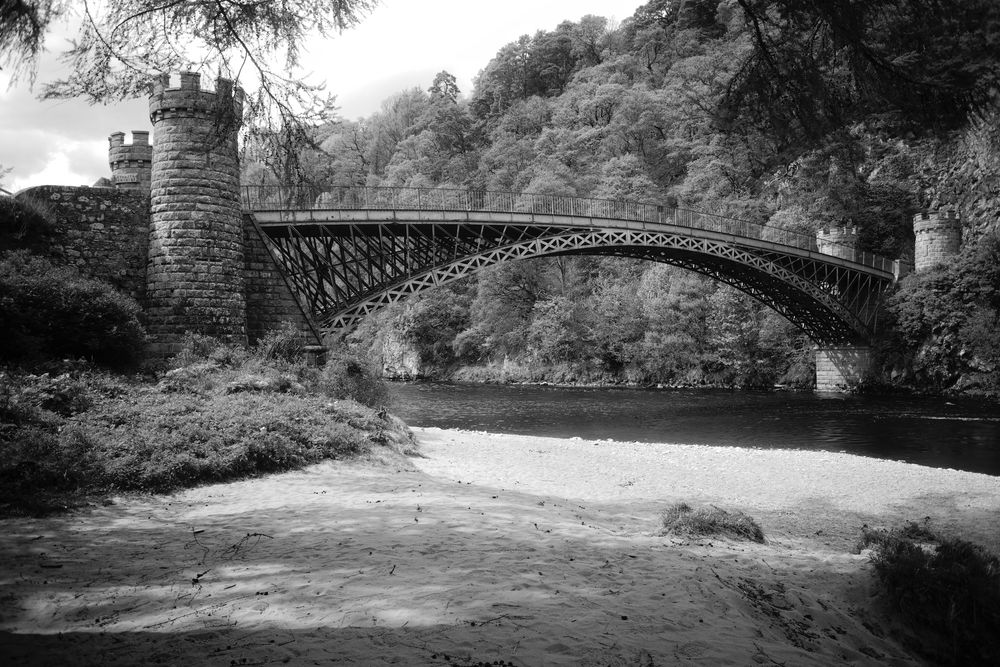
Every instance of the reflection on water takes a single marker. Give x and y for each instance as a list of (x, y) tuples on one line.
[(961, 434)]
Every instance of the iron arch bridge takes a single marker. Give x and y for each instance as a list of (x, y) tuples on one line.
[(346, 251)]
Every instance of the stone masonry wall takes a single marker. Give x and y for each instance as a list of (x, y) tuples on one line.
[(938, 238), (196, 261), (269, 301), (840, 368), (102, 231), (837, 241)]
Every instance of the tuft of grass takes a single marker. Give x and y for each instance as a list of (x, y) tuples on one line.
[(681, 519), (946, 591), (286, 343)]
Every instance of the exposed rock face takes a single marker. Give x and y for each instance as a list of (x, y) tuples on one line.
[(964, 174), (400, 361)]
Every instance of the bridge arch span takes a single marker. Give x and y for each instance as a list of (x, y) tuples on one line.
[(811, 309), (348, 256)]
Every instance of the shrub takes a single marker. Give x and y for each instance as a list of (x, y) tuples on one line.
[(681, 519), (89, 431), (946, 591), (286, 343), (201, 349), (943, 321), (23, 221), (346, 377), (52, 312), (36, 458)]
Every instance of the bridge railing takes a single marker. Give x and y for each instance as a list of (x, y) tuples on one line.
[(635, 215)]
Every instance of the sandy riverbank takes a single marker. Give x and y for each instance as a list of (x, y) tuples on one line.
[(531, 551)]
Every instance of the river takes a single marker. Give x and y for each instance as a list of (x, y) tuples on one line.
[(946, 433)]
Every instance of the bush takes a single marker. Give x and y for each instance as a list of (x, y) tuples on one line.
[(92, 432), (24, 221), (946, 591), (52, 312), (276, 364), (943, 320), (286, 343), (681, 519), (163, 443), (199, 349), (346, 377)]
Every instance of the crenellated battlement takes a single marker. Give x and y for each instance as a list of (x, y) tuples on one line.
[(139, 138), (837, 241), (189, 98), (948, 216), (844, 235), (131, 163), (938, 237)]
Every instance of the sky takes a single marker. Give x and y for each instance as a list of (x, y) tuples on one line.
[(401, 44)]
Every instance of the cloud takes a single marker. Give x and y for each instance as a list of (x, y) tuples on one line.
[(402, 44), (60, 142), (25, 151), (363, 101)]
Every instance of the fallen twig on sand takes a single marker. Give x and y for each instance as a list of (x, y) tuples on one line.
[(234, 550)]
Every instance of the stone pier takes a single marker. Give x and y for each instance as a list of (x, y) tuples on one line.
[(841, 368)]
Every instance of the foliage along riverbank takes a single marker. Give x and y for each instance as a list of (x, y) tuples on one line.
[(215, 414)]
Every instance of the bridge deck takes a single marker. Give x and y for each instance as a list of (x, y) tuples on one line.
[(352, 205), (348, 251), (326, 221)]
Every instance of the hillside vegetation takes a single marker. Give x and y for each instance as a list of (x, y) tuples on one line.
[(795, 114)]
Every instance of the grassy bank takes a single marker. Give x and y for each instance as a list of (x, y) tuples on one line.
[(214, 414)]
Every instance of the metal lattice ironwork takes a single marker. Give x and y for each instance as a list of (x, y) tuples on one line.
[(349, 251)]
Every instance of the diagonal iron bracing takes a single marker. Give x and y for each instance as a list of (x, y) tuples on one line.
[(349, 251)]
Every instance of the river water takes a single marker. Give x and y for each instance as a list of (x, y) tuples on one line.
[(944, 433)]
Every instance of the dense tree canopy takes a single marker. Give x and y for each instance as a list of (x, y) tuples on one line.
[(818, 65)]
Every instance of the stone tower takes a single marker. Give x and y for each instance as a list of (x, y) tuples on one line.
[(130, 163), (938, 238), (837, 241), (195, 269)]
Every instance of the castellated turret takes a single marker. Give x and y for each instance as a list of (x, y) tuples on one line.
[(131, 164), (938, 238), (194, 274), (837, 241)]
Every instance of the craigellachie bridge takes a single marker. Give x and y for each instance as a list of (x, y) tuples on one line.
[(206, 255), (347, 251)]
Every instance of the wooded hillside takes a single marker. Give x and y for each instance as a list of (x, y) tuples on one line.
[(798, 114)]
